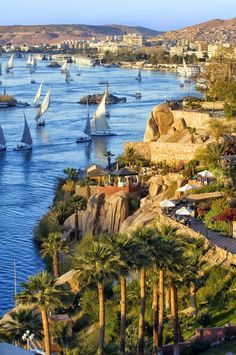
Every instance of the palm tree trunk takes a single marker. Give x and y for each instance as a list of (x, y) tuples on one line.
[(155, 318), (101, 318), (167, 299), (142, 311), (193, 299), (175, 320), (46, 332), (161, 312), (122, 313), (56, 265)]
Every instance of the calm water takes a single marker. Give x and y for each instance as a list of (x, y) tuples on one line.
[(27, 178)]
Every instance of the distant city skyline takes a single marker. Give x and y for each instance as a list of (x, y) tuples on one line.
[(167, 15)]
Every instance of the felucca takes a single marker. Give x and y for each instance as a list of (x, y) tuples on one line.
[(42, 109), (26, 140), (99, 124)]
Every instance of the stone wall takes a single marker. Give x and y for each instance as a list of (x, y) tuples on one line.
[(169, 152), (198, 120)]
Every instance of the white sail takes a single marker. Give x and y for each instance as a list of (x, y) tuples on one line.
[(64, 66), (26, 136), (99, 121), (139, 77), (33, 62), (46, 102), (87, 129), (38, 94), (29, 60), (2, 138), (10, 63)]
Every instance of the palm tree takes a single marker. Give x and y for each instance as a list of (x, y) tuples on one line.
[(41, 292), (192, 131), (217, 128), (129, 254), (211, 154), (19, 322), (52, 247), (71, 173), (97, 265), (108, 154), (148, 241)]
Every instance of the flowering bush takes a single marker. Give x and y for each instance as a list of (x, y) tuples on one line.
[(228, 215)]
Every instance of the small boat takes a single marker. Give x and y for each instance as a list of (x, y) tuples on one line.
[(139, 77), (38, 94), (26, 140), (99, 124), (2, 140), (86, 137), (137, 95), (41, 110), (68, 76), (10, 64), (108, 115), (32, 81)]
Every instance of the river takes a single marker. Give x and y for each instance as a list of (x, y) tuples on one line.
[(27, 178)]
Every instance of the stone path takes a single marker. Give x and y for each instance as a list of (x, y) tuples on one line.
[(221, 241)]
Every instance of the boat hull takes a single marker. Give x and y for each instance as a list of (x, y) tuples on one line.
[(3, 148), (23, 148), (83, 139), (103, 134)]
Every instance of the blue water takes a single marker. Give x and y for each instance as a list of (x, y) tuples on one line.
[(27, 178)]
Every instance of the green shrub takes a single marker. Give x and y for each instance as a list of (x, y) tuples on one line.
[(217, 207), (204, 317)]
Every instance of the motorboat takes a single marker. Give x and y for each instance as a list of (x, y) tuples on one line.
[(137, 95)]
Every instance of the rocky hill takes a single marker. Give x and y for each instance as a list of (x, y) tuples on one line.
[(57, 33), (212, 31)]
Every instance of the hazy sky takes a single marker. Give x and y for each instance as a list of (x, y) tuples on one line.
[(156, 14)]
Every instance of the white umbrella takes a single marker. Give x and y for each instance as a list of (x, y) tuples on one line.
[(206, 174), (186, 187), (183, 211), (167, 204)]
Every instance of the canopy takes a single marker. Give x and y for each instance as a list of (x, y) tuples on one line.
[(206, 174), (183, 211), (167, 204), (186, 187)]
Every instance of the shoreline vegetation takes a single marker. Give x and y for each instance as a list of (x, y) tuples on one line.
[(134, 292)]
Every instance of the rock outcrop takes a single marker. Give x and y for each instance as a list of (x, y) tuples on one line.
[(104, 214), (96, 99)]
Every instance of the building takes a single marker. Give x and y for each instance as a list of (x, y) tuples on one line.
[(133, 40)]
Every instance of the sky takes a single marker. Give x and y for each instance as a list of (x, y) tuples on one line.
[(155, 14)]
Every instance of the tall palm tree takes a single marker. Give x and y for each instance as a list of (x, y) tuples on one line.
[(129, 254), (71, 173), (97, 265), (53, 246), (19, 322), (149, 247), (41, 292), (109, 155)]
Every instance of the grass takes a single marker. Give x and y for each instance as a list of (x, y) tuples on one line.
[(230, 346)]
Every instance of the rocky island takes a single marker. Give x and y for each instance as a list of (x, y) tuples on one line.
[(96, 99)]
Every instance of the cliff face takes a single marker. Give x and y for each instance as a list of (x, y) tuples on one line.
[(104, 214)]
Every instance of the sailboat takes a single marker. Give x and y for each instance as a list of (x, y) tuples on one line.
[(2, 140), (186, 74), (64, 66), (139, 77), (68, 76), (99, 124), (38, 94), (10, 64), (28, 63), (26, 140), (87, 130), (42, 109)]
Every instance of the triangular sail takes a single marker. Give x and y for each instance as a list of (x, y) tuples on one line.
[(26, 136), (99, 121), (29, 60), (2, 137), (10, 64), (139, 75), (46, 102), (87, 129), (38, 94), (64, 65)]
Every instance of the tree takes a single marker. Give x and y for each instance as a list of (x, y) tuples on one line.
[(19, 322), (53, 246), (41, 292), (130, 157), (217, 129), (210, 154), (97, 265), (71, 173), (109, 155), (192, 131)]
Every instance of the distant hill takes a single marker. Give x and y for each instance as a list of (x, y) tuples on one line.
[(212, 31), (56, 33)]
